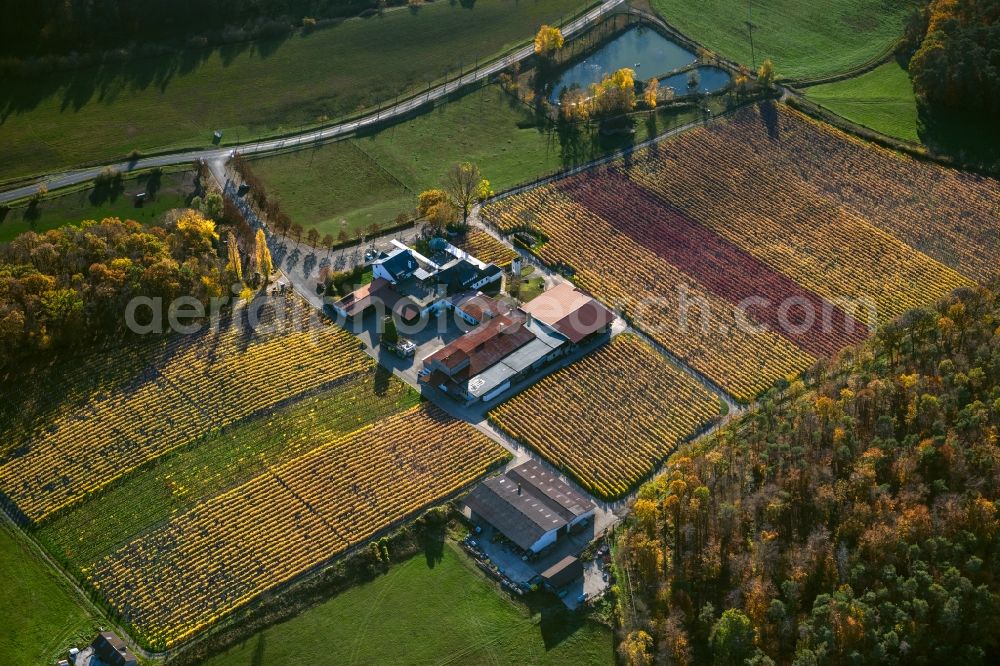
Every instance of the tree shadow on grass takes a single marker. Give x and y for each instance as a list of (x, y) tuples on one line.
[(106, 189), (32, 212), (557, 623), (258, 651), (432, 542), (102, 83), (965, 136), (153, 183)]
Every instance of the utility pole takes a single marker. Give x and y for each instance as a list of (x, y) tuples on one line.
[(753, 55)]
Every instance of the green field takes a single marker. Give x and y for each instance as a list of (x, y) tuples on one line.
[(426, 611), (325, 185), (171, 190), (318, 188), (101, 113), (804, 39), (43, 616), (152, 495), (881, 99)]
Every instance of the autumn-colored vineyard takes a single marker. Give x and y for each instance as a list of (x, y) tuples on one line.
[(197, 384), (611, 418), (485, 247), (100, 525), (651, 293), (742, 222), (205, 563)]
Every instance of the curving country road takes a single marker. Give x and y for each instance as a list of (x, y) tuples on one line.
[(55, 181)]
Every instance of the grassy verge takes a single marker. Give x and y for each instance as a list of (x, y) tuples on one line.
[(163, 193), (43, 617), (881, 99), (804, 39), (486, 126), (101, 113), (433, 608)]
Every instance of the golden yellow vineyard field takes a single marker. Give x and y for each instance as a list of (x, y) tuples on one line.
[(486, 248), (205, 563), (950, 215), (652, 293), (611, 418), (778, 217), (201, 383), (683, 234), (106, 521)]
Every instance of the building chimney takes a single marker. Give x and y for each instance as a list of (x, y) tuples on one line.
[(518, 488)]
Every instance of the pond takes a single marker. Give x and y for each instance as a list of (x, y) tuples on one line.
[(710, 79), (646, 51)]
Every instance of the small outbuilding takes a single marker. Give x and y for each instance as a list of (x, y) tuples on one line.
[(107, 649), (113, 650), (562, 573)]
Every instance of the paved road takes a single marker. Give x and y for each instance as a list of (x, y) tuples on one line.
[(55, 181)]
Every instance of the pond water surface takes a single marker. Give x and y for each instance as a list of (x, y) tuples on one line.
[(710, 79), (646, 51)]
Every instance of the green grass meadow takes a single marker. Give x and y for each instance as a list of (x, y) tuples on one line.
[(329, 184), (101, 113), (804, 39), (171, 190), (881, 99), (434, 609), (319, 187), (43, 615)]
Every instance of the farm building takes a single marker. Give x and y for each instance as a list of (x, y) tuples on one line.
[(529, 505), (361, 299), (486, 361), (570, 311), (107, 649), (475, 307), (562, 573), (395, 266), (508, 348), (410, 285)]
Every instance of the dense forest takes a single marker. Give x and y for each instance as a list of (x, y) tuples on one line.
[(849, 518), (42, 27), (66, 286), (955, 48)]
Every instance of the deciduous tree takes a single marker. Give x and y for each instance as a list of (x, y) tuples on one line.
[(234, 264), (636, 649), (765, 73), (462, 183), (651, 92), (574, 105), (615, 94), (263, 254), (548, 41)]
